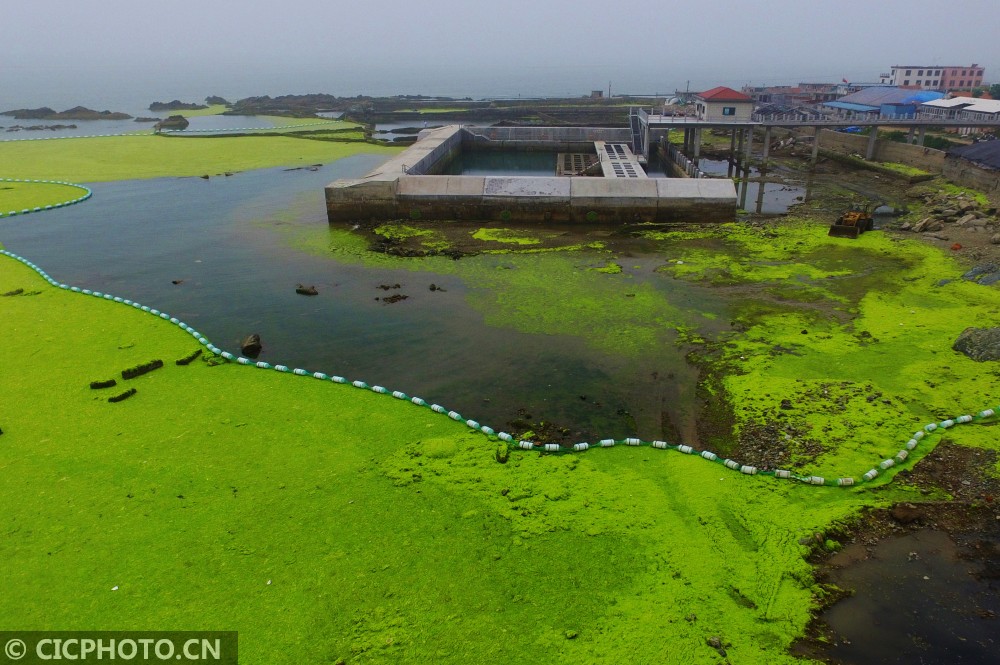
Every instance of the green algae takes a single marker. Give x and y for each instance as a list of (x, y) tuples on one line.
[(507, 236), (151, 156), (326, 522), (611, 268), (20, 195)]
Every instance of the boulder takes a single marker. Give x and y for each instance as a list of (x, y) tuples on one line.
[(980, 344), (251, 346), (995, 239), (965, 219)]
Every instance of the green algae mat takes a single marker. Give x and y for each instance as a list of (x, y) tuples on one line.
[(330, 524), (326, 523), (104, 159)]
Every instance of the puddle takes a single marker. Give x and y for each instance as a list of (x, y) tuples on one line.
[(920, 598)]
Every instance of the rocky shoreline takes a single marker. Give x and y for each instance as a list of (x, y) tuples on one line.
[(75, 113)]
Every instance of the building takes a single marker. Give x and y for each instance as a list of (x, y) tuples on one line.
[(881, 102), (963, 108), (723, 104), (803, 93), (935, 77)]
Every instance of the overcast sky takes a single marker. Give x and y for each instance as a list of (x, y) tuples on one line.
[(51, 50)]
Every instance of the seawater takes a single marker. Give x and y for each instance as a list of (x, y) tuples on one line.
[(221, 240)]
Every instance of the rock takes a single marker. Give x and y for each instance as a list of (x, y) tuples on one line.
[(933, 227), (176, 105), (980, 344), (965, 219), (306, 290), (906, 513), (922, 225), (715, 642), (251, 346), (174, 122), (995, 239)]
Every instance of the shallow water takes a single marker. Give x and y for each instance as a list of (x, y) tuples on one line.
[(919, 599), (502, 341)]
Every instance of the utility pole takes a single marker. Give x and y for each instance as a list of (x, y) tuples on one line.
[(609, 89)]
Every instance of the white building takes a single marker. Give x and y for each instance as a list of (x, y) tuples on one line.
[(935, 77), (723, 104), (962, 108)]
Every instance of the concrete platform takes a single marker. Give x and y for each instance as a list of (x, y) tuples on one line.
[(405, 187)]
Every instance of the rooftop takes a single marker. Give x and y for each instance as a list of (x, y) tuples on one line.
[(972, 104), (723, 94)]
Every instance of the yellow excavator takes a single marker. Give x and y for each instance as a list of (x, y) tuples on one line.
[(854, 222)]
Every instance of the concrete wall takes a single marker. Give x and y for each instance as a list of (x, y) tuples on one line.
[(842, 143), (965, 173), (553, 139), (713, 111)]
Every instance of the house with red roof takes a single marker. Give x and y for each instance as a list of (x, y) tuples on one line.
[(723, 104)]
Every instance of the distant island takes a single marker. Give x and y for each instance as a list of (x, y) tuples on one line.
[(176, 105), (75, 113)]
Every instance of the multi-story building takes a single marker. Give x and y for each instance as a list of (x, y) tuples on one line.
[(935, 77)]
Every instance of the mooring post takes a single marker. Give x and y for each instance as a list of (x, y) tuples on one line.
[(816, 132), (872, 137)]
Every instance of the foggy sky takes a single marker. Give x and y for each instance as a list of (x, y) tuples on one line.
[(52, 49)]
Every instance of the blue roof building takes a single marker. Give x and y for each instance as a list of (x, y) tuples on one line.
[(882, 101)]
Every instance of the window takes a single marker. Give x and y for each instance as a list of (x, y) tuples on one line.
[(728, 110), (920, 72), (961, 84), (937, 72), (954, 72), (964, 72), (906, 82), (918, 82)]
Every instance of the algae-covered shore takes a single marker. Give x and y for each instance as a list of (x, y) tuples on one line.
[(331, 524)]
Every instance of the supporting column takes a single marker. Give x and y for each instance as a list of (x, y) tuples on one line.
[(743, 191), (748, 147), (761, 182), (697, 144), (921, 135), (911, 134), (767, 147), (687, 140), (816, 131), (870, 152), (739, 147)]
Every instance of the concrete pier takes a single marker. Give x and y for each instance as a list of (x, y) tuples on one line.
[(406, 187)]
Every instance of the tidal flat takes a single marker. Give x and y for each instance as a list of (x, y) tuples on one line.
[(327, 523)]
